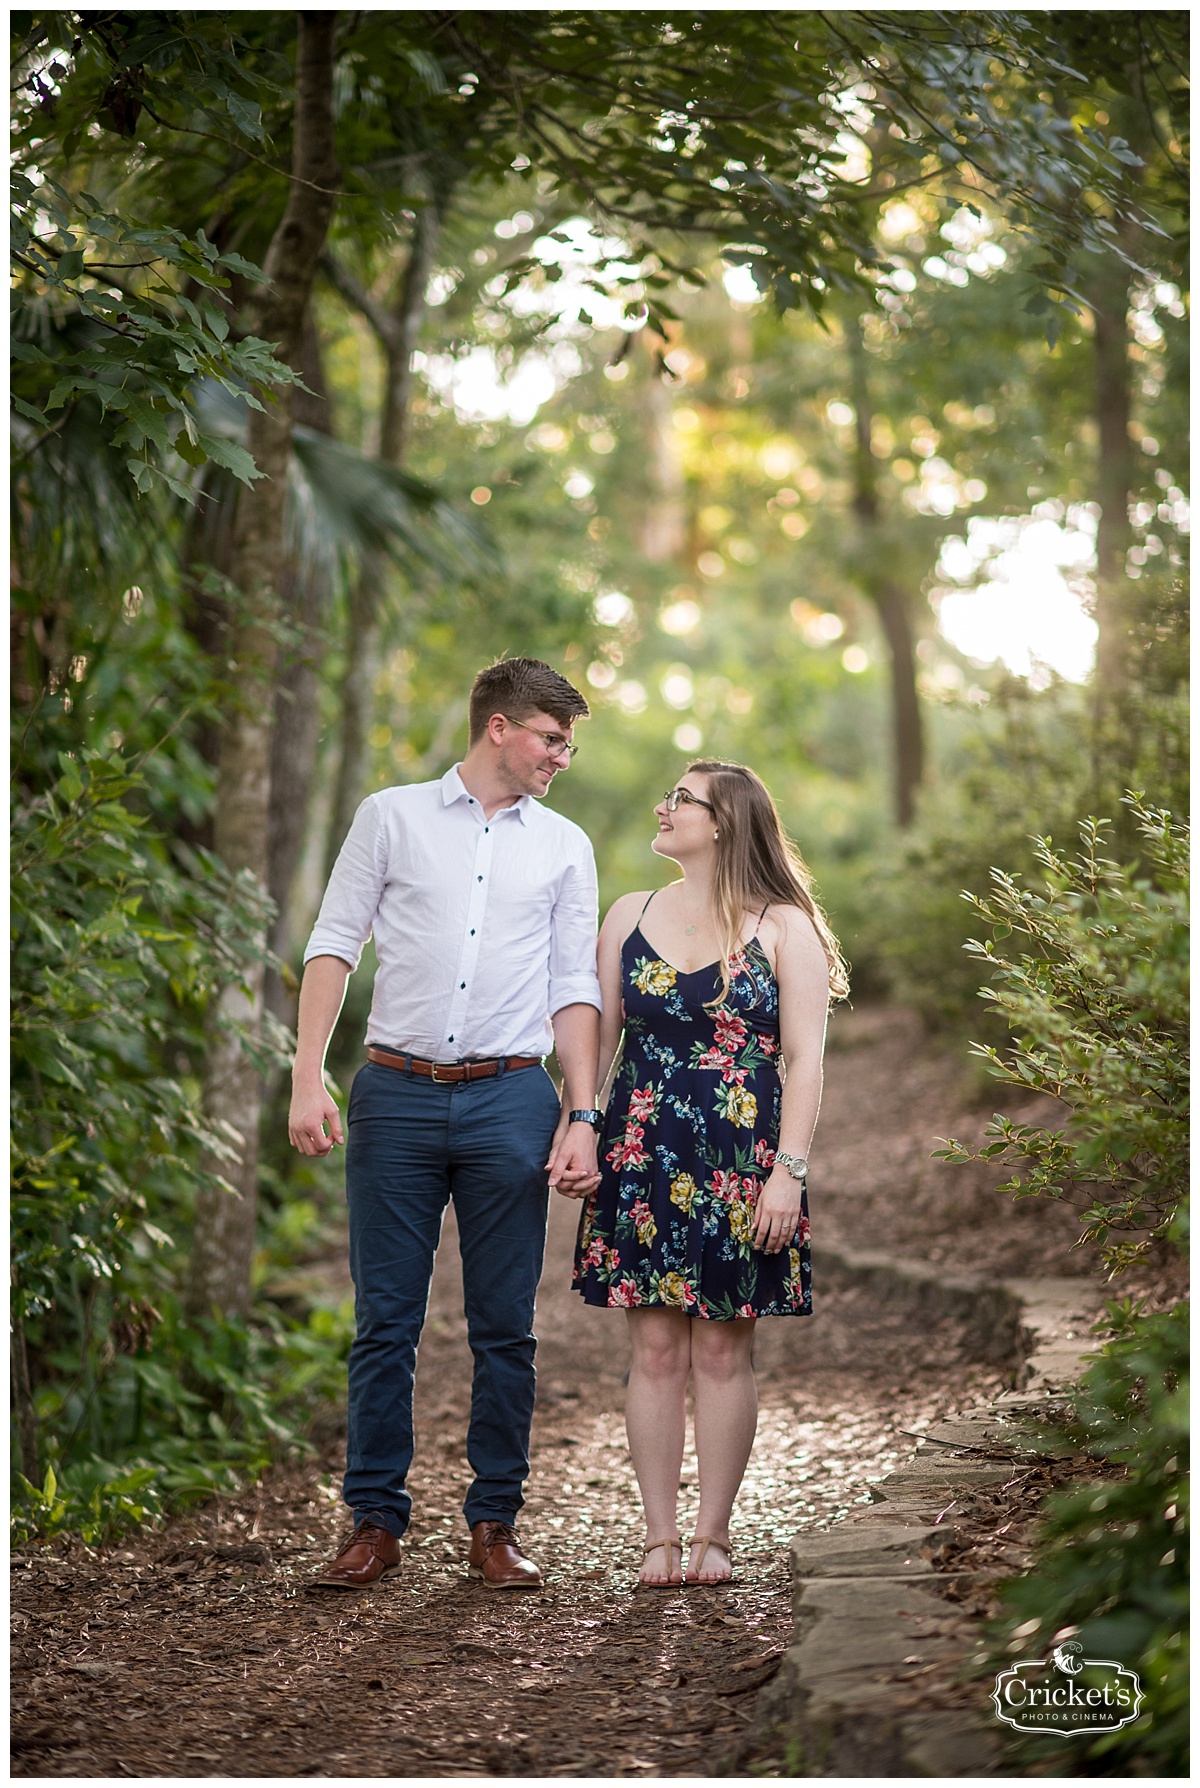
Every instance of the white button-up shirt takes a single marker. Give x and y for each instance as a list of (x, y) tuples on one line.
[(484, 928)]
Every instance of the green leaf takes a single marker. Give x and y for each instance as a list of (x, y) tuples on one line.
[(246, 115), (235, 263), (30, 412), (216, 322), (70, 783), (225, 453)]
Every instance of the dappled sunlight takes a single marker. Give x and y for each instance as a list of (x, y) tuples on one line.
[(1024, 592), (479, 389)]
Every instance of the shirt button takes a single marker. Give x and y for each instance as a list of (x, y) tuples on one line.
[(478, 878), (462, 984), (472, 931)]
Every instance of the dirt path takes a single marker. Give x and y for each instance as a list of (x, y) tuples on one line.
[(200, 1652)]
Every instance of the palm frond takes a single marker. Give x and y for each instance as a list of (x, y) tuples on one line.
[(341, 501)]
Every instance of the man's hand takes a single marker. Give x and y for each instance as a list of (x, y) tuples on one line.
[(311, 1109), (777, 1213), (572, 1164)]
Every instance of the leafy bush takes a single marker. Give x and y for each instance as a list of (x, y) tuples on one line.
[(200, 1410), (115, 951), (1090, 975), (1022, 771), (1111, 1563), (1026, 768), (1097, 1000), (123, 1407)]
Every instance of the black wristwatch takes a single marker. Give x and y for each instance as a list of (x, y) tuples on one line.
[(594, 1118)]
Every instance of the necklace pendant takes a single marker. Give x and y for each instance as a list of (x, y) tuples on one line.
[(689, 931)]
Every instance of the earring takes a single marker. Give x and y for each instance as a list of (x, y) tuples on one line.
[(716, 834)]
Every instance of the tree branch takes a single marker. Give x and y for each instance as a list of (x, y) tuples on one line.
[(358, 298)]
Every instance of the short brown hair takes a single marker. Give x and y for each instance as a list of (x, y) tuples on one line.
[(521, 686)]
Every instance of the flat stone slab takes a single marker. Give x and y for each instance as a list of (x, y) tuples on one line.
[(862, 1549), (852, 1627), (986, 1431), (954, 1471), (867, 1622), (950, 1743), (844, 1693)]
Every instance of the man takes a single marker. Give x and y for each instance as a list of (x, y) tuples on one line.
[(483, 907)]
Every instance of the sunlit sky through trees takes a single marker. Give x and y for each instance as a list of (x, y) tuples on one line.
[(1011, 590)]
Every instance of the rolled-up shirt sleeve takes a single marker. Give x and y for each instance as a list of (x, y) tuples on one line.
[(573, 926), (352, 898)]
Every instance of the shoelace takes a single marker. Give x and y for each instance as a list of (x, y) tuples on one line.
[(364, 1533), (498, 1533)]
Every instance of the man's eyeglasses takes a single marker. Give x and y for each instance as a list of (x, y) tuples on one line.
[(674, 796), (556, 745)]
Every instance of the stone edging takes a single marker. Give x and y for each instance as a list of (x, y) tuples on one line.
[(866, 1625)]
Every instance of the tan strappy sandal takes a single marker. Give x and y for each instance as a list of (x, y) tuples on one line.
[(704, 1541), (667, 1546)]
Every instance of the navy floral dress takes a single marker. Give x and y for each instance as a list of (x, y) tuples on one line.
[(689, 1137)]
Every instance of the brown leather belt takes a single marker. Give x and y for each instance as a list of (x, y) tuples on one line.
[(444, 1072)]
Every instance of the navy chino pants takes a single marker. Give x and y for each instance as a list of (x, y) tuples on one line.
[(411, 1146)]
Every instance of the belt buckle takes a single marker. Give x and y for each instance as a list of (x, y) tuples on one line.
[(433, 1073)]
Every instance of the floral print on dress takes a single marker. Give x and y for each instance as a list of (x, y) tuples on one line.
[(689, 1138)]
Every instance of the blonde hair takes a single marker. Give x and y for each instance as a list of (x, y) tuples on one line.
[(758, 865)]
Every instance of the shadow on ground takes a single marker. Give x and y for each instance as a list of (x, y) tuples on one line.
[(201, 1651)]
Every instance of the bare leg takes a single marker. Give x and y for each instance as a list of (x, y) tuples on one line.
[(726, 1403), (654, 1422)]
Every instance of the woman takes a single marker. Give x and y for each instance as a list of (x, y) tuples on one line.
[(699, 1224)]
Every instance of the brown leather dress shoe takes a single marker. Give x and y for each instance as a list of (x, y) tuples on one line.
[(496, 1557), (370, 1554)]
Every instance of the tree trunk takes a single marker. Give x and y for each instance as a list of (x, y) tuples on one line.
[(397, 330), (1109, 293), (296, 719), (294, 739), (223, 1245), (887, 593), (207, 548), (664, 519), (364, 637), (23, 1402)]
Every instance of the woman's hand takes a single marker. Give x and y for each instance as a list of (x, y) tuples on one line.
[(777, 1213)]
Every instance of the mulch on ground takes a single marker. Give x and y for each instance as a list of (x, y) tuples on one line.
[(202, 1650)]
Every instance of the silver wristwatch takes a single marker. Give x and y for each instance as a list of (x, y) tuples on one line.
[(796, 1165), (592, 1117)]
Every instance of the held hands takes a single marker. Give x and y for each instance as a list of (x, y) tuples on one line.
[(777, 1212), (572, 1166), (311, 1109)]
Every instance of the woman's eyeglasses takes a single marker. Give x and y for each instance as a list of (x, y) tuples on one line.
[(674, 796)]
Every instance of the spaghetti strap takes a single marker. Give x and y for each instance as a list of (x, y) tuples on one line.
[(649, 898), (763, 914)]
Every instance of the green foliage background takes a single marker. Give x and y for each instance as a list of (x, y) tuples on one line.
[(683, 518)]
